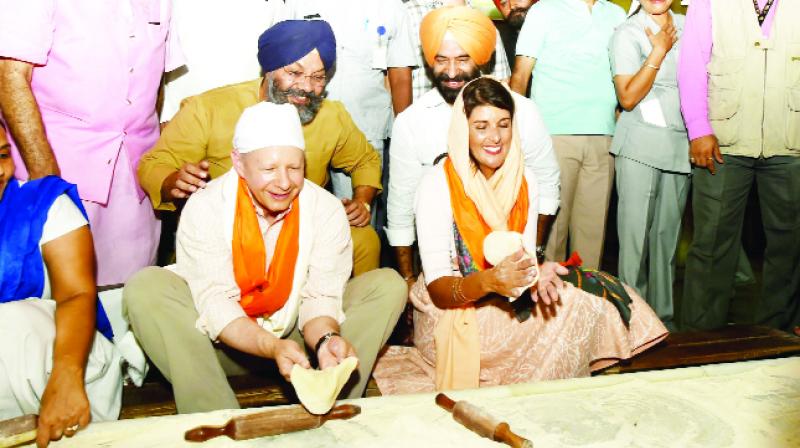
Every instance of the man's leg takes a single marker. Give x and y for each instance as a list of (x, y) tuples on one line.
[(665, 229), (718, 205), (637, 189), (366, 249), (590, 205), (779, 195), (160, 309), (125, 230), (568, 153), (372, 304)]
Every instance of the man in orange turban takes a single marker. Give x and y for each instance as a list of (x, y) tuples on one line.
[(457, 43), (472, 30)]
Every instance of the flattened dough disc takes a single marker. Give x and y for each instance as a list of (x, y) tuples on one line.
[(318, 389)]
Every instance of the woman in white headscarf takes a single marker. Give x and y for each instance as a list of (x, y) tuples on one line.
[(467, 333)]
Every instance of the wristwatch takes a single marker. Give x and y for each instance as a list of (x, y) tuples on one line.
[(324, 339), (540, 254)]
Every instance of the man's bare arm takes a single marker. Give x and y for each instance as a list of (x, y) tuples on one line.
[(400, 84), (543, 225), (523, 67), (405, 263), (365, 194), (21, 114)]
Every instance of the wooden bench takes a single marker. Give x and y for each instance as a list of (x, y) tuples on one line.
[(730, 344)]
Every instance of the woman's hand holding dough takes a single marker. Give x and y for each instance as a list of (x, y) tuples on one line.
[(514, 274), (514, 269)]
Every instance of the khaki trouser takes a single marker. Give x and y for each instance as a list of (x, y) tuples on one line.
[(160, 309), (587, 174)]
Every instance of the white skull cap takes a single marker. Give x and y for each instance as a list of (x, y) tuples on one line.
[(268, 124)]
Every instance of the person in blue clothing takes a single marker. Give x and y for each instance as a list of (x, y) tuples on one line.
[(56, 355)]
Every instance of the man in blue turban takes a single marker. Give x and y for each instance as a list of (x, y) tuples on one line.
[(290, 40), (297, 58), (308, 43)]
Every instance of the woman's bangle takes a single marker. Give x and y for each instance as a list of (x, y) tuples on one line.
[(457, 293), (654, 67)]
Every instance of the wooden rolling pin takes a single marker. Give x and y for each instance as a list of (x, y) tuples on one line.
[(271, 423), (479, 421), (17, 431)]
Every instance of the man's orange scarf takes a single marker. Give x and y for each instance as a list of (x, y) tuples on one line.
[(263, 292), (471, 225)]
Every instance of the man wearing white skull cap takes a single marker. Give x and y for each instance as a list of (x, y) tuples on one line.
[(263, 261)]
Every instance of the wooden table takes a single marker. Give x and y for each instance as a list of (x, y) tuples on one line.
[(730, 344), (745, 404)]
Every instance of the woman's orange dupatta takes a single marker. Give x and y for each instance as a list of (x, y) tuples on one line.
[(263, 291), (471, 226), (456, 335)]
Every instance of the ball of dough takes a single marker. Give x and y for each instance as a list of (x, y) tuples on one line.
[(500, 244), (318, 389)]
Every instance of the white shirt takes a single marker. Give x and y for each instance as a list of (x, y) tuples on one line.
[(219, 42), (205, 258), (62, 218), (437, 248), (363, 55), (420, 135)]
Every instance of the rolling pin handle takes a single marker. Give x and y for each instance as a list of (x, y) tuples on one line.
[(445, 402), (342, 412), (203, 433), (504, 434)]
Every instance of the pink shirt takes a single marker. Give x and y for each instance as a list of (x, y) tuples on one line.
[(98, 66), (695, 56)]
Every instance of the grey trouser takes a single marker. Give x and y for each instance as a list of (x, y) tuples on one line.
[(160, 309), (651, 203), (718, 204), (587, 173)]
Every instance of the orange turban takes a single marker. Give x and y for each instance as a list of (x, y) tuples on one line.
[(473, 31)]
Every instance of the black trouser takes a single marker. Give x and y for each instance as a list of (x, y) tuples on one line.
[(718, 203)]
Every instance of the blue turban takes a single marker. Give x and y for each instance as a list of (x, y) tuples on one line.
[(287, 42)]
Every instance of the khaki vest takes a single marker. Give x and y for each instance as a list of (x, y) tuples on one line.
[(754, 82)]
